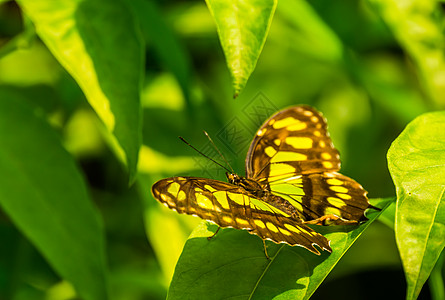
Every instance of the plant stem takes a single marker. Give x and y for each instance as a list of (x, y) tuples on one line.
[(435, 282)]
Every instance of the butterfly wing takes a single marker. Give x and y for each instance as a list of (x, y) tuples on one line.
[(293, 141), (293, 156), (228, 205), (323, 198)]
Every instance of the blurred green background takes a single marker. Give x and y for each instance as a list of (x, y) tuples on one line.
[(350, 60)]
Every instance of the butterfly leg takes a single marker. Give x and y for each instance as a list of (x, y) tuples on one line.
[(210, 237), (265, 250), (330, 220)]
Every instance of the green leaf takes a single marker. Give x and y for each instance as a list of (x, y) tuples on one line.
[(96, 41), (242, 27), (233, 264), (418, 26), (416, 159), (436, 281), (388, 217), (45, 196)]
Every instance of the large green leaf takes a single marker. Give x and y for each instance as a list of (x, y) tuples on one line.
[(416, 161), (233, 264), (242, 27), (96, 41), (45, 196)]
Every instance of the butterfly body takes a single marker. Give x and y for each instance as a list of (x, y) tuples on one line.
[(291, 181), (250, 186)]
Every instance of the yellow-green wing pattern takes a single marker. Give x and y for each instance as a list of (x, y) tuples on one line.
[(293, 141), (293, 156), (229, 205), (323, 198), (291, 180)]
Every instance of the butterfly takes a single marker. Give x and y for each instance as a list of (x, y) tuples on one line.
[(291, 181)]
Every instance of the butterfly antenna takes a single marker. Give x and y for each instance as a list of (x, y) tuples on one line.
[(182, 139), (220, 154)]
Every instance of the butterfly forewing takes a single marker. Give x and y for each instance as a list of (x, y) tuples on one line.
[(228, 205), (293, 141)]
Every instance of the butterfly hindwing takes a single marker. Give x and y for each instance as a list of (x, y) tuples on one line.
[(323, 198), (228, 205)]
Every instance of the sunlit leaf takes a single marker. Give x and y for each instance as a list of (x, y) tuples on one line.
[(416, 159), (96, 41), (45, 196), (242, 27), (151, 161), (31, 67), (235, 259), (418, 26)]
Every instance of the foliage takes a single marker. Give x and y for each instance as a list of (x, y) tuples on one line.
[(415, 160), (290, 273), (93, 95)]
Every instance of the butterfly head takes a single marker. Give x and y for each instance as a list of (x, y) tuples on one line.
[(233, 178), (249, 185)]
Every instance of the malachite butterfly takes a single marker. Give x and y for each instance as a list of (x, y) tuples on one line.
[(291, 181)]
